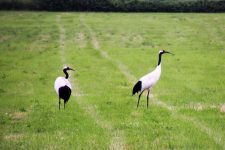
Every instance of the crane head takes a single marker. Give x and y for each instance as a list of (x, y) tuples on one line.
[(68, 68), (164, 52)]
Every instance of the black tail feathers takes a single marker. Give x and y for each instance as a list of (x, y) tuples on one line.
[(137, 87), (64, 93)]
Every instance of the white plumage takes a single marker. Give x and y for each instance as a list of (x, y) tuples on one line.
[(149, 80), (60, 82), (63, 87)]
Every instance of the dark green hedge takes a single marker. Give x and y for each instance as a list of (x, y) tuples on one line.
[(117, 5)]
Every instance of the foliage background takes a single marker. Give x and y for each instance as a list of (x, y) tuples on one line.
[(116, 5)]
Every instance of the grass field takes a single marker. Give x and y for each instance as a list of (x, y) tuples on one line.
[(109, 52)]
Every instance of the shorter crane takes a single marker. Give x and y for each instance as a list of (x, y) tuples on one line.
[(149, 80), (63, 86)]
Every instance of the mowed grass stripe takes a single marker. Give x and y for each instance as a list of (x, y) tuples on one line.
[(117, 141), (76, 91), (215, 135), (104, 54), (62, 39)]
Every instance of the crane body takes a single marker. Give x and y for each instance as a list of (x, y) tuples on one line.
[(63, 87), (149, 80)]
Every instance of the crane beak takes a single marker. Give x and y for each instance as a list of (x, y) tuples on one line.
[(169, 52), (72, 69)]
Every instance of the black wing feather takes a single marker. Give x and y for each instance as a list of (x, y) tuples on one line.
[(64, 93), (137, 87)]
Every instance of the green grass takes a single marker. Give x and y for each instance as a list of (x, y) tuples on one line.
[(109, 52)]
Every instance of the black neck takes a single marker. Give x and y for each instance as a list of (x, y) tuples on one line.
[(159, 61), (67, 75)]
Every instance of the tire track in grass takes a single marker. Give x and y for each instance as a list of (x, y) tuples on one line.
[(215, 136), (81, 40), (61, 39), (118, 138), (76, 92), (104, 54), (117, 142), (200, 106)]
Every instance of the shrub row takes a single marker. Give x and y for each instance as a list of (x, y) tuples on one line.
[(117, 5)]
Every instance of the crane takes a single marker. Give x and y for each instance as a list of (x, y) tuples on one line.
[(63, 87), (149, 80)]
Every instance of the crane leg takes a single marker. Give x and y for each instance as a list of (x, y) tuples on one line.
[(139, 98), (148, 97), (59, 103)]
